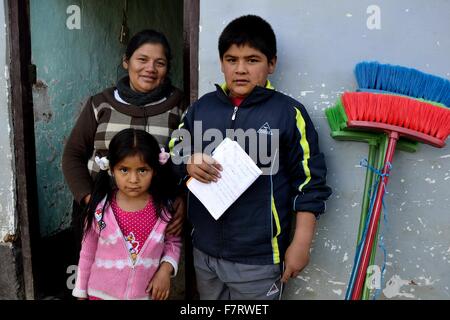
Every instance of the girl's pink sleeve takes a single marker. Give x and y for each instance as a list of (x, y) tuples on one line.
[(87, 257), (172, 251)]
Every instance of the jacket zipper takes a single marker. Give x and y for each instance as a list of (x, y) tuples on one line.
[(233, 120), (233, 117), (132, 263), (130, 280), (138, 257)]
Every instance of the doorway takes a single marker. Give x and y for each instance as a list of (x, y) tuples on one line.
[(76, 48)]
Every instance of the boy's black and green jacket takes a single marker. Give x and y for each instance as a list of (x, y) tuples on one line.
[(256, 228)]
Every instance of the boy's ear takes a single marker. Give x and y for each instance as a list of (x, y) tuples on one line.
[(125, 62), (272, 64)]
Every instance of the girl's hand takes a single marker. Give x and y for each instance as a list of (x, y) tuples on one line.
[(203, 168), (175, 226), (159, 286)]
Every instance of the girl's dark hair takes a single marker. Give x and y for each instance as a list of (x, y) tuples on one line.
[(149, 36), (249, 30), (130, 142)]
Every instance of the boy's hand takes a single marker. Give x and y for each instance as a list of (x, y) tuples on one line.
[(295, 260), (176, 225), (203, 168), (297, 254)]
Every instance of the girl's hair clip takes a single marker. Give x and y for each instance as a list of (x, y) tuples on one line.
[(102, 162), (163, 157)]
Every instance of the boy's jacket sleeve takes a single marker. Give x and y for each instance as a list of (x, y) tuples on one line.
[(306, 165)]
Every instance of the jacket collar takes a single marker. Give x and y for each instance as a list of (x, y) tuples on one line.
[(259, 94)]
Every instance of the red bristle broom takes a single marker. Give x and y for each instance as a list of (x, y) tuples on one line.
[(396, 116)]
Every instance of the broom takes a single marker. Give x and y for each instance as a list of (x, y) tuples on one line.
[(406, 81), (386, 78), (395, 116), (381, 155), (337, 121)]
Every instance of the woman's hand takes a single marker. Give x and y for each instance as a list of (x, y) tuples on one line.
[(86, 199), (203, 168), (159, 286), (175, 226)]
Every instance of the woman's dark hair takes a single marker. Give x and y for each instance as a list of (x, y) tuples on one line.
[(131, 142), (149, 36), (249, 30)]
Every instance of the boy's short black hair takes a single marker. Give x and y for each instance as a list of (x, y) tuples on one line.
[(249, 30)]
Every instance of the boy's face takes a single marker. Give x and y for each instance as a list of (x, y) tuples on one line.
[(244, 68)]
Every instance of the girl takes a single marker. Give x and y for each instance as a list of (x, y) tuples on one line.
[(125, 253)]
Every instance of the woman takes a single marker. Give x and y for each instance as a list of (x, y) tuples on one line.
[(144, 99)]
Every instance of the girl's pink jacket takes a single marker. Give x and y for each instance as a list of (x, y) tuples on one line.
[(105, 268)]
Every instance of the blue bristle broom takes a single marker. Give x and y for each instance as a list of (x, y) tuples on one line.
[(403, 80)]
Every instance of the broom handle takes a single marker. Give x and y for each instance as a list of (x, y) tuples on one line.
[(373, 224), (373, 150), (380, 160)]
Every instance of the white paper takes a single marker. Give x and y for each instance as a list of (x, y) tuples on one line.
[(239, 172)]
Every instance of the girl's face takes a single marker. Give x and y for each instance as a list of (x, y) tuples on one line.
[(133, 177), (147, 67)]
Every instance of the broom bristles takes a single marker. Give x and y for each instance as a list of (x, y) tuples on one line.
[(403, 80), (398, 111), (336, 116)]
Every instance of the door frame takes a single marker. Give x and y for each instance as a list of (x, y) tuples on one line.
[(191, 24), (19, 37)]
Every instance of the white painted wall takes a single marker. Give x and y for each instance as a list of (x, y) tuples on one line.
[(319, 43), (8, 220)]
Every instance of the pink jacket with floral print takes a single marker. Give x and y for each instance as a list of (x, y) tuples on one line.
[(105, 268)]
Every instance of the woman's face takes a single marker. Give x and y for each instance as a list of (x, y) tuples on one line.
[(147, 67)]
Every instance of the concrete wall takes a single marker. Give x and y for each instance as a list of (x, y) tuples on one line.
[(75, 63), (319, 43)]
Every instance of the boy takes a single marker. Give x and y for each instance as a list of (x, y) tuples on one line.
[(241, 255)]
